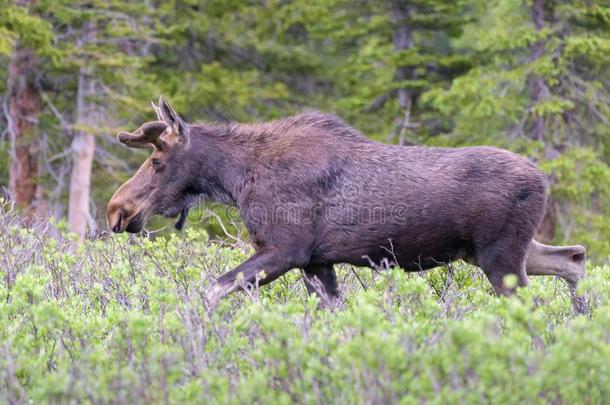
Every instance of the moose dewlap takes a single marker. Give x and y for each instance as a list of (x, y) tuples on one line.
[(314, 192)]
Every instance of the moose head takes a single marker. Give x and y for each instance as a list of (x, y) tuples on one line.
[(159, 186)]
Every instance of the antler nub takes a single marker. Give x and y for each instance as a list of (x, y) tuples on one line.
[(146, 136)]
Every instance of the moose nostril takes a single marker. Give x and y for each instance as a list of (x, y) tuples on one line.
[(117, 227)]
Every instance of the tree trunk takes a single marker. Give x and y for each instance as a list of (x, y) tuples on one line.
[(24, 105), (403, 39), (539, 90), (83, 148), (537, 87)]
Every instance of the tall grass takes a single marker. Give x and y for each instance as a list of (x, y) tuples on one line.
[(123, 320)]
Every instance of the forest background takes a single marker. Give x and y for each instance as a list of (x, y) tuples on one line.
[(530, 76)]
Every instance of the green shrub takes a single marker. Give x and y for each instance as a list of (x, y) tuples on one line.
[(123, 319)]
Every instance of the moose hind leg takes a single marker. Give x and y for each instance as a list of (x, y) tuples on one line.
[(497, 269), (500, 250), (504, 256), (321, 279), (567, 262)]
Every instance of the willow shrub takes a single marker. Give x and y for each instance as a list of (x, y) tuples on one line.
[(123, 319)]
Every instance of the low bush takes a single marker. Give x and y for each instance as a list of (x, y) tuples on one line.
[(123, 319)]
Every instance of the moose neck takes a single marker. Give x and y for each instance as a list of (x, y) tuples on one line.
[(224, 161)]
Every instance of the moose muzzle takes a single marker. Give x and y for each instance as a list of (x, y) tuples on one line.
[(124, 213)]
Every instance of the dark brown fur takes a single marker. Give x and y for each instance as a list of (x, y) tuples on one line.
[(314, 192)]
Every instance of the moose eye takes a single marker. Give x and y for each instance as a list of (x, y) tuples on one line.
[(156, 163)]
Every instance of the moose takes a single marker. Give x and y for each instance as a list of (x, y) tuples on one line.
[(314, 192)]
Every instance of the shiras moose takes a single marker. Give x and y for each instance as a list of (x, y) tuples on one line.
[(314, 192)]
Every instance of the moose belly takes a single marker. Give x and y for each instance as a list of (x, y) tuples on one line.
[(412, 248)]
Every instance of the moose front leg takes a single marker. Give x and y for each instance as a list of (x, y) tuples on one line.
[(567, 262), (263, 267), (321, 280)]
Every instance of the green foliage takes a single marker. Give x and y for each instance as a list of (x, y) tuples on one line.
[(123, 319), (585, 182), (16, 24)]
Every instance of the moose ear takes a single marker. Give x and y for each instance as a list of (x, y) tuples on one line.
[(167, 114), (157, 110)]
